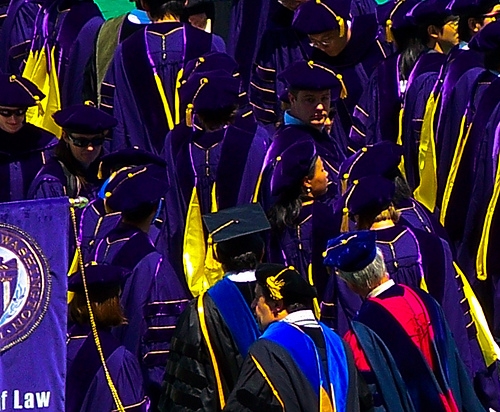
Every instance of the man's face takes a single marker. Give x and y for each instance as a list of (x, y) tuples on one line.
[(12, 118), (291, 4), (329, 42), (311, 106), (448, 36), (85, 148), (263, 312)]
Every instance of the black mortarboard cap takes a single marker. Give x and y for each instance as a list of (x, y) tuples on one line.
[(16, 91), (284, 283), (96, 275), (236, 221), (128, 157), (84, 119), (425, 10), (351, 251)]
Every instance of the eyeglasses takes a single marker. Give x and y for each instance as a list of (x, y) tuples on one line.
[(84, 142), (13, 112), (322, 43)]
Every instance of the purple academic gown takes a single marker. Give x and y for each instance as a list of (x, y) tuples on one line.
[(303, 244), (22, 155), (280, 47), (152, 296), (458, 202), (54, 180), (420, 85), (231, 158), (376, 116), (86, 385), (129, 91), (460, 78), (355, 63), (16, 33)]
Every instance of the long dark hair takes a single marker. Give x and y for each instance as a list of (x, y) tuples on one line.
[(63, 154), (286, 210)]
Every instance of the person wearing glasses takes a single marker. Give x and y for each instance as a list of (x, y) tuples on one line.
[(24, 148), (72, 171)]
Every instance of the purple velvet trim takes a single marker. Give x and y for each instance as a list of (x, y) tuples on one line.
[(428, 62)]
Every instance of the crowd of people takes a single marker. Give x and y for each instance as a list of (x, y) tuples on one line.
[(299, 215)]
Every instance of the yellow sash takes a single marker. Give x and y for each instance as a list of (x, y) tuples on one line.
[(426, 192), (36, 70)]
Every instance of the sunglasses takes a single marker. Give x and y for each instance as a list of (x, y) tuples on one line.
[(83, 142), (13, 112)]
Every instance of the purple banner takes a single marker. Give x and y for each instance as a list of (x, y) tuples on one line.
[(33, 310)]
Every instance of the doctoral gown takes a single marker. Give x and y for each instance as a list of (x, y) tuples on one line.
[(218, 336), (86, 385), (22, 155), (147, 105)]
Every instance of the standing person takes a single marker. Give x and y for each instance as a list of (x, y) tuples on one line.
[(24, 148), (349, 45), (311, 87), (141, 86), (301, 224), (297, 363), (72, 171), (217, 328), (408, 321), (153, 296), (87, 388)]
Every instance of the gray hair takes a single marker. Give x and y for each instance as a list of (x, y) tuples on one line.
[(369, 277)]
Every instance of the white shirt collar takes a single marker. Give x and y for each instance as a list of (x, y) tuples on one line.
[(380, 289), (248, 276)]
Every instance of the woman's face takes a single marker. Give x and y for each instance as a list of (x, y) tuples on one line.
[(318, 185), (85, 148), (12, 118)]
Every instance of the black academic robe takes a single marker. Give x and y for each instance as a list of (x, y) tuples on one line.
[(208, 348)]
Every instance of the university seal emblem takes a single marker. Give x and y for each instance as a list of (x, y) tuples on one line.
[(25, 282)]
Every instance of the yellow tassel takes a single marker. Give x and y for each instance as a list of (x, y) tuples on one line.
[(189, 115), (343, 90), (340, 21), (344, 182), (345, 220), (389, 37)]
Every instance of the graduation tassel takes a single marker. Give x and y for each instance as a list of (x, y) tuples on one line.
[(189, 115), (340, 21), (343, 90), (345, 220), (389, 37)]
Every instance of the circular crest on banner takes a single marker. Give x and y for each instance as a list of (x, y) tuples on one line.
[(25, 283)]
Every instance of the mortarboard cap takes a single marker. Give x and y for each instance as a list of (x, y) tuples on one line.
[(128, 157), (284, 283), (236, 221), (131, 187), (368, 195), (487, 39), (472, 7), (292, 166), (16, 91), (309, 75), (210, 62), (381, 159), (397, 18), (96, 276), (426, 10), (351, 252), (84, 119), (318, 16), (209, 91)]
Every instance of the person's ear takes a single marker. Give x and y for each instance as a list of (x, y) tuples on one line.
[(474, 24), (433, 31), (292, 98)]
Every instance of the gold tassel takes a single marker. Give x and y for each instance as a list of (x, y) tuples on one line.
[(343, 90), (189, 115), (41, 112), (389, 37), (340, 21), (345, 220), (344, 182)]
